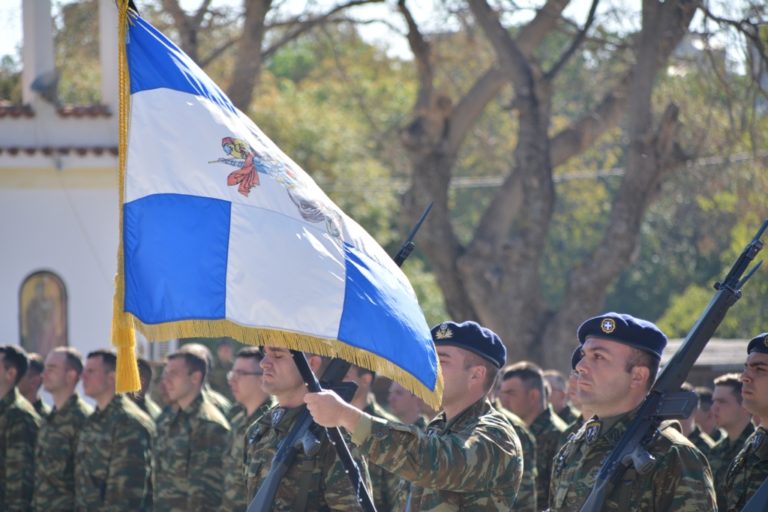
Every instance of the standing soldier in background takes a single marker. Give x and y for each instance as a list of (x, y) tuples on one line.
[(406, 406), (113, 460), (558, 396), (691, 430), (384, 483), (245, 382), (735, 420), (189, 451), (620, 360), (470, 457), (19, 424), (522, 392), (224, 361), (29, 386), (221, 402), (704, 415), (141, 397), (573, 380), (57, 439), (750, 467)]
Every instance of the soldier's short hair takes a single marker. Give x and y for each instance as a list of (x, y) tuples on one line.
[(528, 372), (108, 358), (491, 371), (201, 351), (643, 359), (145, 369), (250, 353), (35, 365), (557, 377), (72, 359), (15, 357), (705, 397), (194, 361), (733, 381)]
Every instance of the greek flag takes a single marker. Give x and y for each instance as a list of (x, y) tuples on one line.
[(224, 235)]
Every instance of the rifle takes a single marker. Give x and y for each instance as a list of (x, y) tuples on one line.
[(759, 501), (304, 434), (665, 400)]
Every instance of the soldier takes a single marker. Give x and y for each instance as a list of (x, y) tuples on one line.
[(189, 451), (385, 485), (221, 402), (522, 392), (29, 386), (750, 467), (406, 406), (141, 397), (558, 397), (620, 360), (113, 459), (19, 424), (245, 382), (691, 430), (735, 420), (316, 482), (224, 361), (57, 439), (573, 379), (470, 457), (704, 416)]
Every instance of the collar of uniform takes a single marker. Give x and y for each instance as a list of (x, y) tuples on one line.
[(115, 403), (261, 410), (67, 405), (285, 422), (612, 427), (760, 440), (739, 442), (542, 421), (469, 414)]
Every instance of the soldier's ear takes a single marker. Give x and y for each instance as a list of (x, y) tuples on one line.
[(640, 376)]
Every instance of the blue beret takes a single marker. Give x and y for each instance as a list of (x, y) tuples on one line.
[(635, 332), (576, 357), (758, 344), (471, 336)]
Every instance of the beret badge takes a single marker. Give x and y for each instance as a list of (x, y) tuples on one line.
[(608, 325), (444, 333)]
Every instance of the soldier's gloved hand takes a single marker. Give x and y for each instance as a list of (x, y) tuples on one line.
[(329, 410)]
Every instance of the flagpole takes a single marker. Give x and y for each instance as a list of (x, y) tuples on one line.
[(337, 440)]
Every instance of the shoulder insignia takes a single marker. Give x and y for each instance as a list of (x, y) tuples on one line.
[(592, 431), (277, 415)]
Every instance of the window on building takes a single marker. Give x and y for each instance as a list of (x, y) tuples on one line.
[(43, 312)]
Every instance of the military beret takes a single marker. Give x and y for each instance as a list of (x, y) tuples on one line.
[(576, 357), (622, 328), (474, 337), (758, 344)]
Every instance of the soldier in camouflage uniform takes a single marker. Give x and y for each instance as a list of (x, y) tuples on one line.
[(57, 439), (522, 392), (735, 420), (317, 482), (469, 458), (407, 407), (620, 360), (29, 386), (704, 415), (245, 383), (221, 402), (558, 397), (189, 451), (691, 430), (113, 459), (750, 467), (141, 397), (19, 424)]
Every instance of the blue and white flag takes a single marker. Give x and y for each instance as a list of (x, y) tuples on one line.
[(224, 235)]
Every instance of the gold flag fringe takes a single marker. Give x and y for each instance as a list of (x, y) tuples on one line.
[(123, 336), (293, 341)]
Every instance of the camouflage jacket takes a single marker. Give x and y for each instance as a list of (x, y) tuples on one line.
[(322, 475), (472, 462), (722, 454), (189, 458), (221, 402), (701, 440), (385, 484), (526, 496), (55, 456), (548, 429), (41, 408), (747, 472), (148, 405), (235, 497), (113, 459), (19, 424), (568, 414), (680, 480)]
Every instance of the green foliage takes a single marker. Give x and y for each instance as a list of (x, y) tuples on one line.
[(10, 80), (76, 41)]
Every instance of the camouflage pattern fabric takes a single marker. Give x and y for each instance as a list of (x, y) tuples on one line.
[(702, 441), (148, 405), (722, 454), (189, 458), (568, 414), (322, 476), (747, 472), (113, 459), (55, 456), (19, 424), (235, 494), (548, 429), (473, 462), (385, 484), (527, 500), (680, 480), (41, 408), (716, 434), (572, 428), (214, 397), (218, 380)]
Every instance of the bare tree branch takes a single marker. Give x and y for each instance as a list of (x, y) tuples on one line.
[(575, 43)]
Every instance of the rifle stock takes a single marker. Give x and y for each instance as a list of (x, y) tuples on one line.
[(664, 400)]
